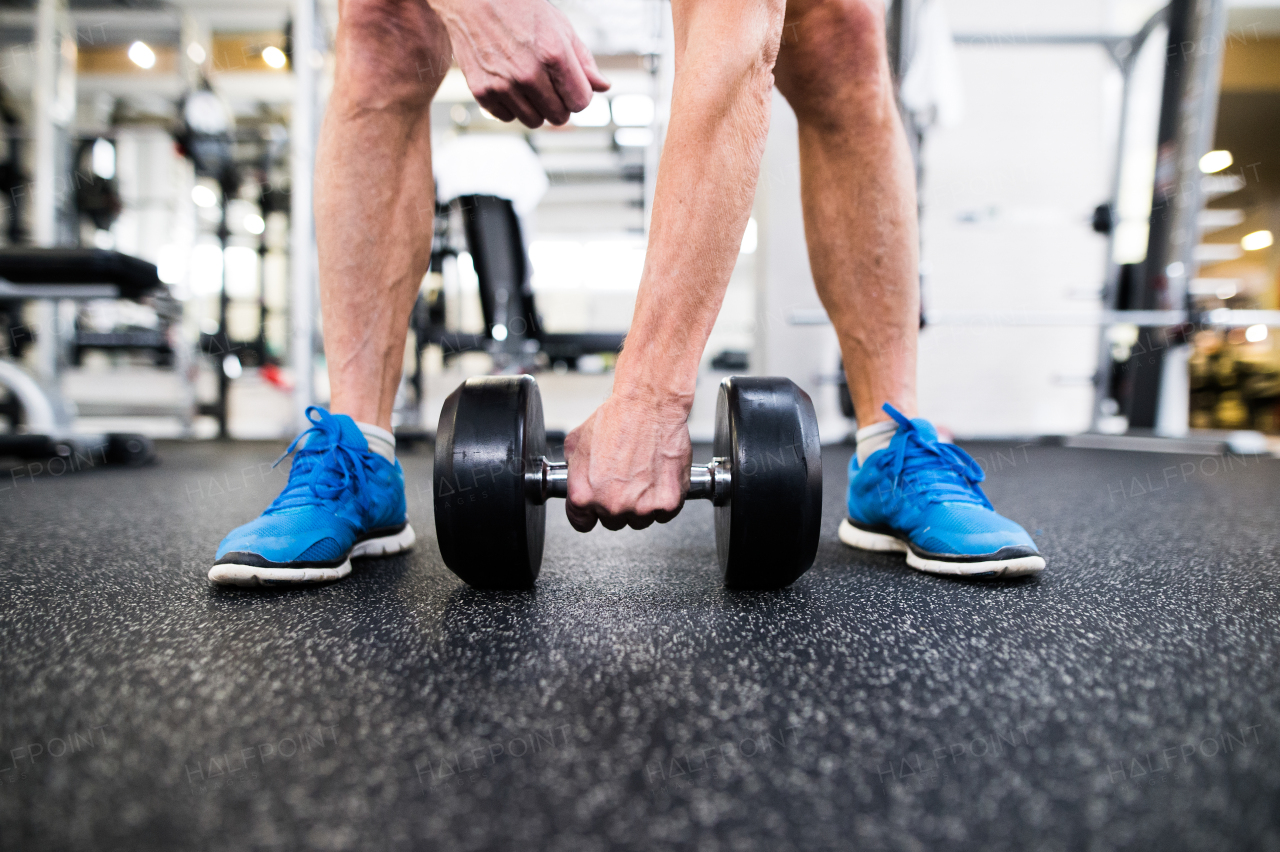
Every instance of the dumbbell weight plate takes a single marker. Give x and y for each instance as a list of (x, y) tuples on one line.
[(491, 431), (767, 534)]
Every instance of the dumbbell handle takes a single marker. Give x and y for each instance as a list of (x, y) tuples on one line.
[(706, 481)]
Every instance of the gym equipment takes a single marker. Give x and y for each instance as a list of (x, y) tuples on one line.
[(227, 154), (492, 480), (488, 228), (54, 273)]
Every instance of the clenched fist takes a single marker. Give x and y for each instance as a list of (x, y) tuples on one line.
[(628, 464), (521, 58)]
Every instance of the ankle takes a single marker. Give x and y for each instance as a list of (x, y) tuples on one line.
[(381, 441), (874, 437)]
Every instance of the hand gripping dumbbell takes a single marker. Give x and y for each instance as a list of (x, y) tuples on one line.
[(492, 481)]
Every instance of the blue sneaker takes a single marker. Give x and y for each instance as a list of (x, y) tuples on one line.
[(342, 502), (921, 497)]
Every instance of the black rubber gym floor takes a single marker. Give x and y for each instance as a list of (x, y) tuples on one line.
[(1129, 698)]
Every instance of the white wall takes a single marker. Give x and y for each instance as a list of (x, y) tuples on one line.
[(1008, 193)]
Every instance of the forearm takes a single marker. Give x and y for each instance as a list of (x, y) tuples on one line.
[(706, 183)]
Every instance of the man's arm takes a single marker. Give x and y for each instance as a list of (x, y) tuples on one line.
[(629, 462)]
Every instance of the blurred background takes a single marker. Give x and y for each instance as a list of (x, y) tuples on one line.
[(1099, 189)]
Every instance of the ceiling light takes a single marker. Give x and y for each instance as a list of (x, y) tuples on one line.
[(104, 159), (196, 53), (204, 271), (1215, 161), (142, 56), (203, 196), (205, 113), (1255, 333), (1256, 240), (171, 264), (274, 56)]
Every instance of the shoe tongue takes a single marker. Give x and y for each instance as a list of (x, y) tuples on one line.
[(925, 428), (351, 434), (348, 433)]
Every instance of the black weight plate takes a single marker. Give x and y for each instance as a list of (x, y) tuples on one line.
[(767, 534), (491, 431)]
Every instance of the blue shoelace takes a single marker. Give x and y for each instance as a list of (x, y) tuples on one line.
[(930, 469), (325, 473)]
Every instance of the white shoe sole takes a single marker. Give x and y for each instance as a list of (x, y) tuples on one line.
[(866, 540), (231, 574)]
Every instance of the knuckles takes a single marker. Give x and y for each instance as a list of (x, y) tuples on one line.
[(486, 92), (620, 506), (527, 73), (613, 507), (662, 505), (549, 56)]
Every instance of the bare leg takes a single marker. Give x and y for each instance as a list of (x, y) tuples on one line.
[(858, 187), (375, 196)]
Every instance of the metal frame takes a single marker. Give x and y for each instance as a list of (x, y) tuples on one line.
[(1187, 120), (302, 238), (1223, 317), (54, 85), (49, 416), (1124, 52)]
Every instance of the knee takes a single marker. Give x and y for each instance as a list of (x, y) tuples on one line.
[(391, 54), (728, 47), (833, 62)]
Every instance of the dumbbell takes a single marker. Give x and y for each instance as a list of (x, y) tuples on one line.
[(492, 480)]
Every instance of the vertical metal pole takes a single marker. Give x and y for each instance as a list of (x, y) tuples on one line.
[(897, 38), (302, 243), (193, 31), (1111, 289), (224, 302), (1199, 120), (1196, 30), (45, 94), (54, 97)]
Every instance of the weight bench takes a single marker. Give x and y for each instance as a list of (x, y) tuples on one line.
[(513, 328), (46, 416), (513, 334)]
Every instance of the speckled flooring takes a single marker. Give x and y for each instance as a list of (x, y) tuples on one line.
[(1129, 698)]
